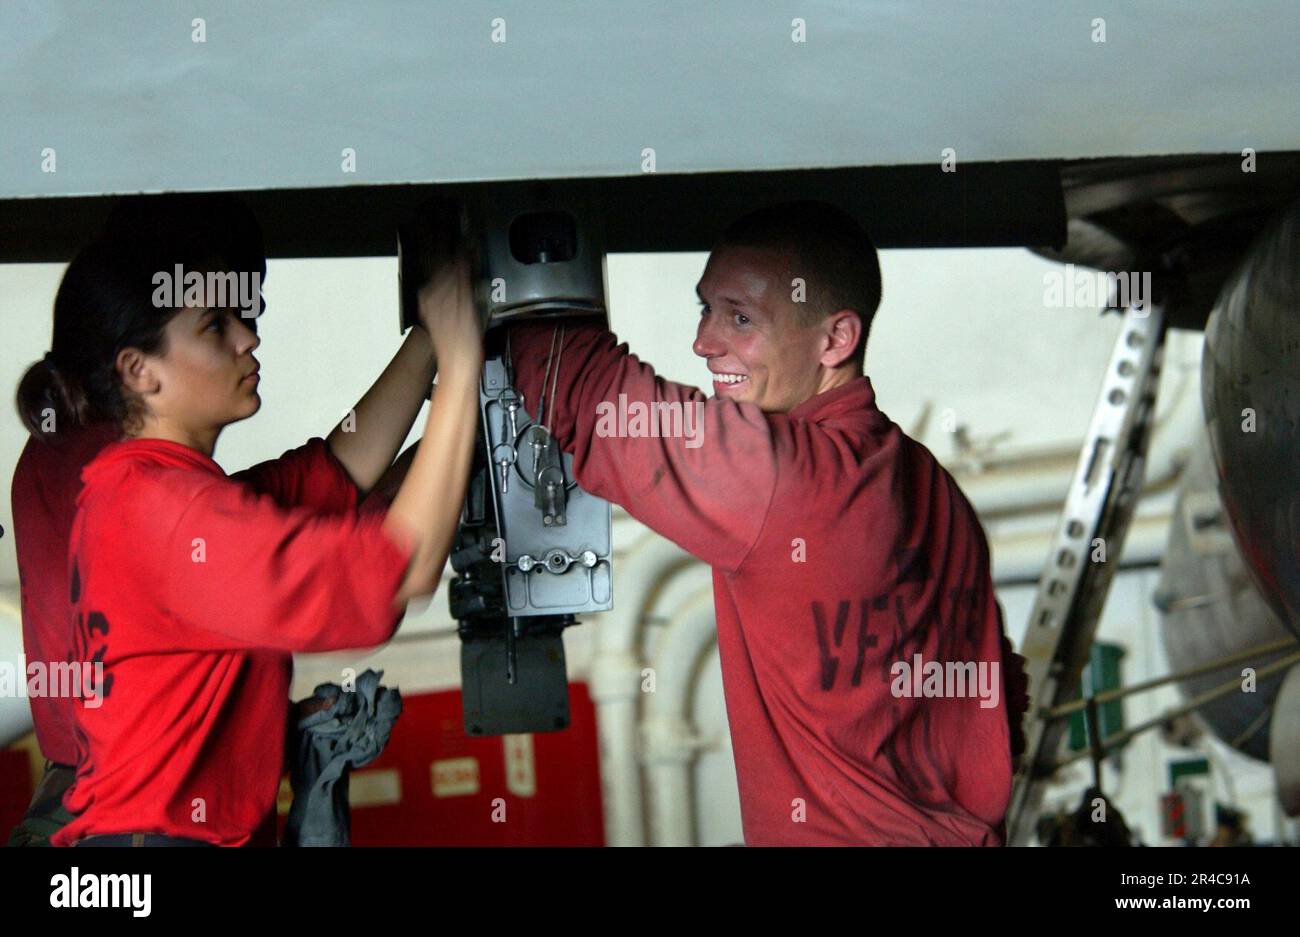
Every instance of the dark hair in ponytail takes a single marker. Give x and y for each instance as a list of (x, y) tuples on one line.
[(105, 304), (46, 402)]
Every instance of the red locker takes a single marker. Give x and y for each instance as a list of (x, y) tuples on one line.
[(436, 786)]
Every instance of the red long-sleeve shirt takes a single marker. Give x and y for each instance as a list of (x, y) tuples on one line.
[(43, 495), (43, 498), (839, 547), (193, 588)]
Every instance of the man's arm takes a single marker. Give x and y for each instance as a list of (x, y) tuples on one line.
[(700, 472)]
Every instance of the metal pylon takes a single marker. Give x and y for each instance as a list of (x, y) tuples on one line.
[(1085, 551)]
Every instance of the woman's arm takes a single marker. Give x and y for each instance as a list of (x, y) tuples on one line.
[(426, 510), (383, 417), (385, 490)]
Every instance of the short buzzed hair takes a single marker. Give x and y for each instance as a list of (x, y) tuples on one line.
[(828, 250)]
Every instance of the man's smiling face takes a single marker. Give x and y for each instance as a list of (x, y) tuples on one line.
[(750, 332)]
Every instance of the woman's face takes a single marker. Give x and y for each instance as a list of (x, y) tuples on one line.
[(207, 378)]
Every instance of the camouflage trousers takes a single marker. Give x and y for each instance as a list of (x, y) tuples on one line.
[(45, 815)]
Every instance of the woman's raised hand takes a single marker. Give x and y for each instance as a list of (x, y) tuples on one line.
[(447, 309), (426, 510)]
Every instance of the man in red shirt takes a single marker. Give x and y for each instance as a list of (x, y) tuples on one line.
[(859, 635)]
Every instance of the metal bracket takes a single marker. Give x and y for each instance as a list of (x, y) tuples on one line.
[(1085, 551)]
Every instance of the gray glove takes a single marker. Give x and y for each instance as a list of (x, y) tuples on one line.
[(348, 733)]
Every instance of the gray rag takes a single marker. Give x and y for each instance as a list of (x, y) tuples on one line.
[(347, 734)]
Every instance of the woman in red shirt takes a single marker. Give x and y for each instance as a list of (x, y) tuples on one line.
[(190, 590), (47, 479)]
